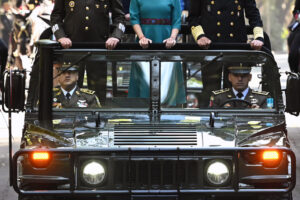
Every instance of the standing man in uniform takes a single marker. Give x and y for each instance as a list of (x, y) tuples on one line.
[(88, 21), (294, 40), (69, 95), (239, 77), (223, 21)]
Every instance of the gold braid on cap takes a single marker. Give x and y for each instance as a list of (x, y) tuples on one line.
[(197, 31), (258, 32)]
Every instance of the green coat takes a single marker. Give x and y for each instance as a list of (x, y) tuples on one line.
[(81, 98)]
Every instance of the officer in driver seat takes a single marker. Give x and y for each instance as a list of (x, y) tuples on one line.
[(239, 95), (68, 94)]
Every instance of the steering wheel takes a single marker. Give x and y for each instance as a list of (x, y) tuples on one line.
[(235, 100)]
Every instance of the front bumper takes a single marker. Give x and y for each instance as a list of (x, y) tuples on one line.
[(140, 172)]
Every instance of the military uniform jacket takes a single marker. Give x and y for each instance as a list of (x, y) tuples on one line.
[(223, 20), (87, 20), (254, 97), (81, 98)]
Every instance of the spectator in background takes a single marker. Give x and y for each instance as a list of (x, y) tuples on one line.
[(159, 22), (294, 40), (6, 21)]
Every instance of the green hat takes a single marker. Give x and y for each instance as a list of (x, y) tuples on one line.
[(66, 67), (239, 69)]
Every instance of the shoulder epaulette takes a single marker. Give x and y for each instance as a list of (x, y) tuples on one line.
[(261, 92), (216, 92), (87, 91)]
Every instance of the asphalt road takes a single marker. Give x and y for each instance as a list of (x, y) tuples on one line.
[(7, 193)]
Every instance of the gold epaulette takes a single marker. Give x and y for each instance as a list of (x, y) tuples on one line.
[(57, 91), (87, 91), (261, 92), (216, 92)]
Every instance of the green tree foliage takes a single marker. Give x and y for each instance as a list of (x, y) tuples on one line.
[(276, 15)]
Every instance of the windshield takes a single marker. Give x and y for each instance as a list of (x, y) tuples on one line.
[(175, 79)]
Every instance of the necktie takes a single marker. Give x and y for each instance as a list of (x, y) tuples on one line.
[(239, 95), (68, 96)]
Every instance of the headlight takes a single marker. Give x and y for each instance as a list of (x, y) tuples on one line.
[(93, 173), (217, 173)]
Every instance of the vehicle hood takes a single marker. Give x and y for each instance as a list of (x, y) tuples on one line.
[(168, 131)]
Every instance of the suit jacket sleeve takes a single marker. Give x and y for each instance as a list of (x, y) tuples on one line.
[(118, 18), (195, 13), (56, 19), (252, 13)]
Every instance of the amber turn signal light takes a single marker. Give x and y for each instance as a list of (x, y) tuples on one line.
[(270, 155), (40, 156), (271, 158), (40, 159)]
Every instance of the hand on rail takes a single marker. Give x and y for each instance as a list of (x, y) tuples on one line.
[(111, 43), (65, 42), (144, 42), (170, 42), (256, 44), (204, 42)]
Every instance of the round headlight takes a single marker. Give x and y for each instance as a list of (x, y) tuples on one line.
[(217, 173), (93, 173)]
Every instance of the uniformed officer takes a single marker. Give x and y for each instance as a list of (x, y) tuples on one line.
[(69, 95), (240, 93), (294, 40), (223, 21), (88, 21)]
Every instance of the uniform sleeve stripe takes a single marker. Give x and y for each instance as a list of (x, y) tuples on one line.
[(258, 32), (197, 31)]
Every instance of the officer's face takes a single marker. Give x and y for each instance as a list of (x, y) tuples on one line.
[(239, 81), (68, 80)]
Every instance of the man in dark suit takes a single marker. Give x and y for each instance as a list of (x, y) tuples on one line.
[(69, 95), (239, 77), (223, 21), (88, 21), (294, 40)]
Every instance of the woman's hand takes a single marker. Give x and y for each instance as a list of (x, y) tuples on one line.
[(170, 42), (144, 42)]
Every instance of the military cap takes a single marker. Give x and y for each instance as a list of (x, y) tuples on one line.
[(66, 67), (239, 68)]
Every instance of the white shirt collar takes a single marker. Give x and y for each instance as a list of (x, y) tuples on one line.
[(245, 92), (71, 92)]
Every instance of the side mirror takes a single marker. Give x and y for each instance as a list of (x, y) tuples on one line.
[(293, 93), (13, 93)]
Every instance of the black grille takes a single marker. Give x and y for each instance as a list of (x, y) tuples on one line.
[(157, 174), (158, 134)]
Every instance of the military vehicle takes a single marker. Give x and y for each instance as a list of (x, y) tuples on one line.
[(140, 148)]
